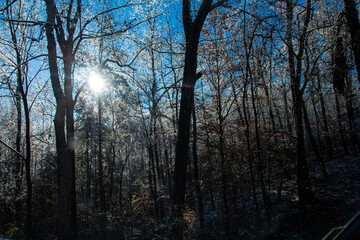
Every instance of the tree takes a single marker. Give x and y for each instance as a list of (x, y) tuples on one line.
[(306, 196), (352, 17), (70, 34), (192, 29), (23, 46), (64, 116)]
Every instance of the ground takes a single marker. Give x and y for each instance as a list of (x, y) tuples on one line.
[(338, 201)]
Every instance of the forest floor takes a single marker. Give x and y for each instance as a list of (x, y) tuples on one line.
[(338, 201)]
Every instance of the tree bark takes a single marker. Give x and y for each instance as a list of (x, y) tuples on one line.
[(353, 23)]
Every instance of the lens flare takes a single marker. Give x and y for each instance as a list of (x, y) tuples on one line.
[(96, 82)]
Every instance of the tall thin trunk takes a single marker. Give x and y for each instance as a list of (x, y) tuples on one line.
[(111, 159), (250, 156), (306, 196), (102, 200), (328, 142), (287, 110), (29, 228), (314, 146), (153, 180), (260, 164), (121, 183), (88, 169), (223, 173), (340, 124), (319, 130), (17, 168), (23, 93), (100, 159)]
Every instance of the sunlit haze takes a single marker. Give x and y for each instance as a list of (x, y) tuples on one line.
[(96, 82)]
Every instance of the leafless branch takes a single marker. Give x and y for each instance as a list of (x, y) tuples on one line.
[(23, 22), (1, 141), (7, 6), (220, 3)]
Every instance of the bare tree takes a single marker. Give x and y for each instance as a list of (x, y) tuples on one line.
[(192, 29), (306, 196)]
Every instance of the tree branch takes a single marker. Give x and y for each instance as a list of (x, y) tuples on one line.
[(219, 4), (1, 141), (7, 6)]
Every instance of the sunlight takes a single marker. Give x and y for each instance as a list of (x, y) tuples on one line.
[(96, 82)]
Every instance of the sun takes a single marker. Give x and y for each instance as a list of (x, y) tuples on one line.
[(96, 82)]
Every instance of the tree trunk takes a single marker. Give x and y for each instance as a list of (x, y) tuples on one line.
[(260, 164), (353, 23), (66, 193), (340, 123), (100, 159), (88, 169), (102, 201), (192, 29), (23, 94), (224, 181), (192, 35), (196, 175), (17, 168), (306, 196), (152, 179), (29, 229), (70, 132), (328, 142), (250, 156), (350, 114), (314, 146)]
